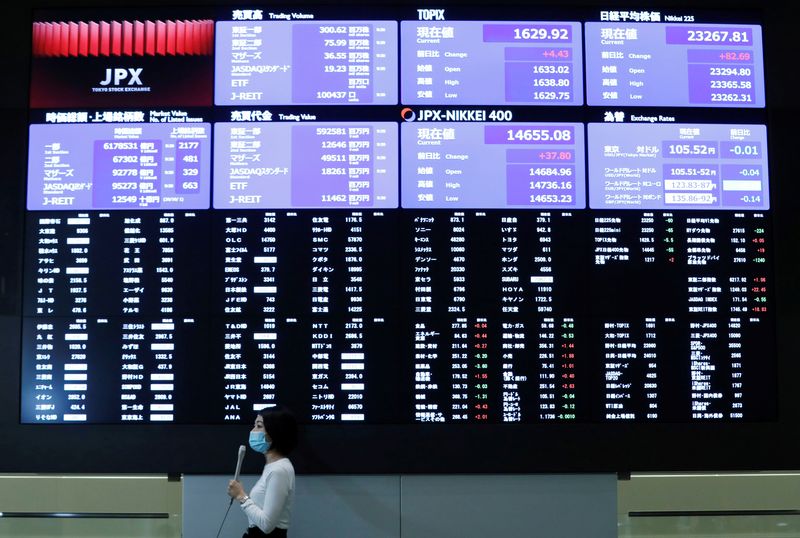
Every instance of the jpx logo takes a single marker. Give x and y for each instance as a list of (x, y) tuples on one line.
[(430, 14), (119, 75)]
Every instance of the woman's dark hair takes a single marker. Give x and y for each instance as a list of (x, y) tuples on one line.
[(281, 426)]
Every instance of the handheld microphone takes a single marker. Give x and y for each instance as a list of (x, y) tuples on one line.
[(239, 462), (239, 459)]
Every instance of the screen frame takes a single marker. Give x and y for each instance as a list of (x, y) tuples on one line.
[(416, 448)]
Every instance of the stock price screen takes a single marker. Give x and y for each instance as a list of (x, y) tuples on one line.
[(397, 217)]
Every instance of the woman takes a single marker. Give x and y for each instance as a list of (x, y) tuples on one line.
[(269, 506)]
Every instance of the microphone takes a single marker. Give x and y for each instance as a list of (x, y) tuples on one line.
[(239, 458), (239, 462)]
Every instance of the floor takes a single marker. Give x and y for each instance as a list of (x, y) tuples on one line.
[(710, 527)]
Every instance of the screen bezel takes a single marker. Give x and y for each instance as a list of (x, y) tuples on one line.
[(511, 448)]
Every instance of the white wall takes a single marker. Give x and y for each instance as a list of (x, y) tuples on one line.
[(421, 506)]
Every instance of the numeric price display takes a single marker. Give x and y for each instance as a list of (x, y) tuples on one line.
[(472, 62), (469, 165), (662, 166), (123, 166), (301, 62), (313, 165), (662, 64)]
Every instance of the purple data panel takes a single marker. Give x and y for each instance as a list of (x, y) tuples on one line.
[(306, 63), (493, 165), (664, 64), (678, 166), (119, 166), (305, 165), (491, 63)]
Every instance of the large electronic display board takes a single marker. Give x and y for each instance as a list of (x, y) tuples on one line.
[(460, 225)]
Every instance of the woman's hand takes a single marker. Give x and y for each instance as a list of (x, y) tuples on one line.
[(235, 489)]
